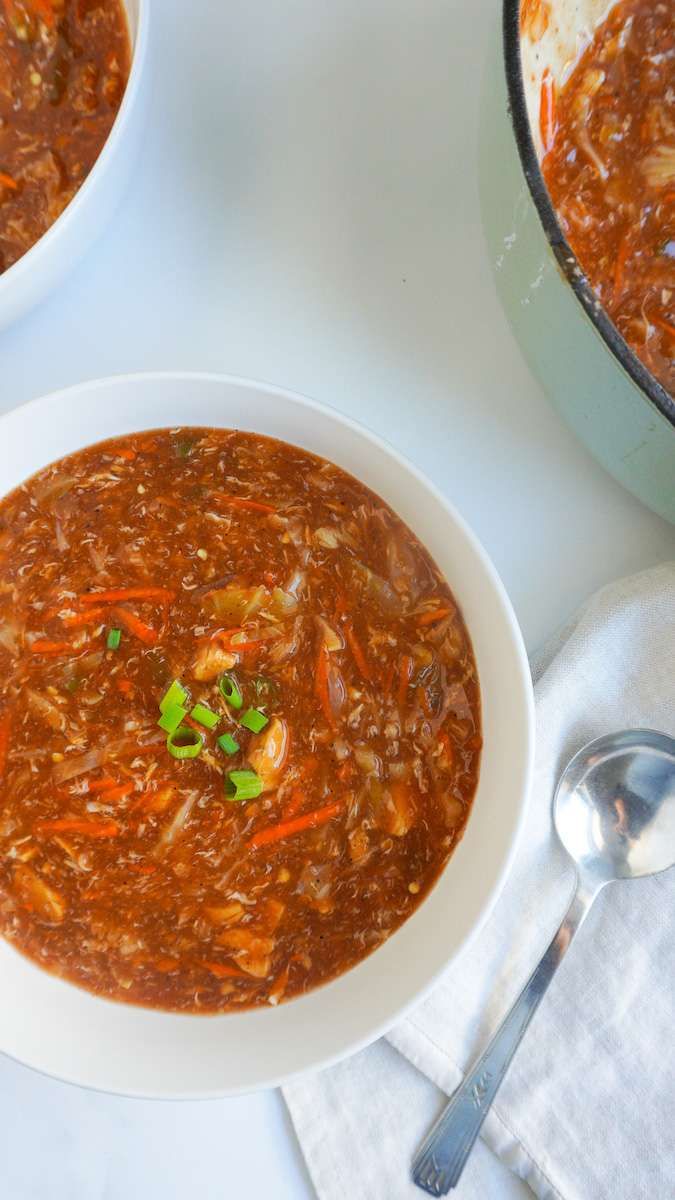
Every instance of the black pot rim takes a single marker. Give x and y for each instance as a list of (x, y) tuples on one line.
[(567, 261)]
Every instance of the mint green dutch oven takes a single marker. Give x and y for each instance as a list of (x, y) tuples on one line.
[(618, 409)]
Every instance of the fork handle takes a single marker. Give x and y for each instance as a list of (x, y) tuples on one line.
[(441, 1159)]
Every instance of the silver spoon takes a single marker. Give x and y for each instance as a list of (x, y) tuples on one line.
[(614, 810)]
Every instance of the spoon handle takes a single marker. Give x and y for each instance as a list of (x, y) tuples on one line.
[(441, 1159)]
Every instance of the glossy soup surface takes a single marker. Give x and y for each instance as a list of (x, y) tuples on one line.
[(323, 646), (64, 66), (610, 169)]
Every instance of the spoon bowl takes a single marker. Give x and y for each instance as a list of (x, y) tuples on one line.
[(614, 807)]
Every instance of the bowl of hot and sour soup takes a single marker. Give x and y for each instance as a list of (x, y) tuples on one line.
[(265, 735), (70, 122)]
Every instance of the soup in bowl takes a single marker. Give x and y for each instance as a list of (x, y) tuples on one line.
[(265, 724), (70, 75), (588, 269)]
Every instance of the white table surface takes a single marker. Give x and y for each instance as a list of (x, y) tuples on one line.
[(306, 212)]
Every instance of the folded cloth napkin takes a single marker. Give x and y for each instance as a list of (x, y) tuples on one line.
[(587, 1111)]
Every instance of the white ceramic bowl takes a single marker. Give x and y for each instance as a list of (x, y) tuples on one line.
[(39, 270), (66, 1032)]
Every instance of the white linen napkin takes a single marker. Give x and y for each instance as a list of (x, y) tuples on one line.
[(587, 1111)]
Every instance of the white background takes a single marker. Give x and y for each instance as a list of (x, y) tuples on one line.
[(306, 212)]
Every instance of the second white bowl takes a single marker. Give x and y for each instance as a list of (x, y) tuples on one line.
[(30, 279)]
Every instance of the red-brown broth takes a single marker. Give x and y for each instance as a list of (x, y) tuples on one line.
[(610, 169), (64, 66), (131, 873)]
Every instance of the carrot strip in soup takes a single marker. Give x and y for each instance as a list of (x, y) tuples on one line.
[(76, 620), (92, 829), (7, 181), (42, 646), (117, 793), (436, 614), (665, 325), (405, 673), (101, 785), (357, 652), (135, 626), (547, 114), (243, 503), (116, 595), (223, 971), (312, 820)]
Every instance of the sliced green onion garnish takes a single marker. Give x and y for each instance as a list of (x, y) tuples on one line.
[(204, 716), (174, 694), (227, 744), (230, 691), (243, 785), (184, 742), (172, 717), (114, 639), (254, 720)]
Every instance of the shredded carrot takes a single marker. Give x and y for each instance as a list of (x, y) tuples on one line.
[(437, 614), (357, 651), (223, 971), (312, 820), (42, 646), (129, 455), (663, 324), (92, 829), (119, 792), (321, 683), (141, 868), (7, 182), (404, 676), (115, 595), (547, 111), (135, 626), (5, 731), (89, 617), (620, 267), (101, 785), (125, 686), (243, 503)]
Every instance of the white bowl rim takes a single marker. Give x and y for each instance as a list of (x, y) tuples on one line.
[(139, 47), (525, 691)]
